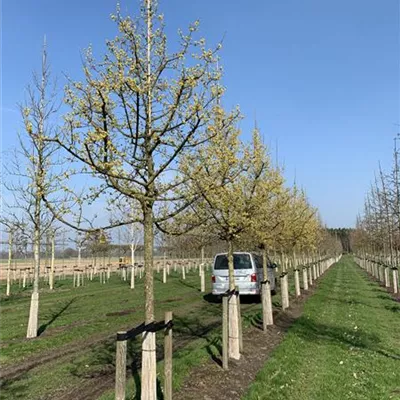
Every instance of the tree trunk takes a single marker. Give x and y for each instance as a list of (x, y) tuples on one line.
[(79, 257), (149, 374), (132, 254), (395, 280), (305, 278), (183, 272), (34, 307), (10, 242), (297, 282), (132, 277), (266, 304), (284, 291), (51, 278), (234, 348), (265, 263), (387, 277)]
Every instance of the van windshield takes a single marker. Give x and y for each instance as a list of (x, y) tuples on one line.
[(240, 261)]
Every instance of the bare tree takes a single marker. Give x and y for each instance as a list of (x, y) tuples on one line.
[(378, 228), (32, 175)]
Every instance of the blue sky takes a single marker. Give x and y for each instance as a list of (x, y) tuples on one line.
[(321, 77)]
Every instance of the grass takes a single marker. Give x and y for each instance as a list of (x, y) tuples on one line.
[(345, 345), (71, 319)]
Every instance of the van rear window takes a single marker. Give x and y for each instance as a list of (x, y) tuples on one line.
[(240, 261)]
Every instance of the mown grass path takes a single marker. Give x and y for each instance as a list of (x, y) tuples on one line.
[(346, 345)]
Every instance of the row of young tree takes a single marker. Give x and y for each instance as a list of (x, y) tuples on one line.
[(148, 131), (378, 227)]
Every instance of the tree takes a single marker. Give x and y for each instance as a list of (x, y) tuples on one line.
[(300, 224), (228, 176), (32, 170), (79, 241), (378, 227), (136, 112), (271, 197)]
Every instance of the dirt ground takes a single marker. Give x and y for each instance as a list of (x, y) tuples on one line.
[(209, 381)]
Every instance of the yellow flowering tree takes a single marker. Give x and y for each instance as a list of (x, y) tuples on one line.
[(228, 175), (137, 110)]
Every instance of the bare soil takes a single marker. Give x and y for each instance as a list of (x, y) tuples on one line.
[(209, 381)]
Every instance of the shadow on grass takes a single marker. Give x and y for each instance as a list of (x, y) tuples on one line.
[(198, 328), (244, 299), (254, 319), (14, 389), (100, 361), (247, 299), (184, 283), (313, 331), (55, 316), (386, 297), (211, 298), (394, 308)]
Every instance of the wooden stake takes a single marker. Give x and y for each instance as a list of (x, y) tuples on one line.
[(225, 323), (10, 244), (239, 321), (168, 358), (120, 369)]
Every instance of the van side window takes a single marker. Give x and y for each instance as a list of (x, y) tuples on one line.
[(258, 260)]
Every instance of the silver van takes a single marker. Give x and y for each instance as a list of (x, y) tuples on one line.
[(248, 268)]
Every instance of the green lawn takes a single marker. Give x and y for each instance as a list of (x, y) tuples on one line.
[(345, 346), (81, 323)]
